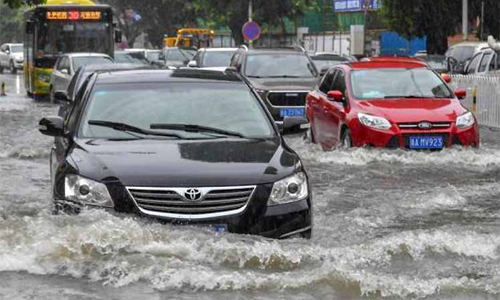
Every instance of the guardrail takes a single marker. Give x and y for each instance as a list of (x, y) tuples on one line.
[(488, 96)]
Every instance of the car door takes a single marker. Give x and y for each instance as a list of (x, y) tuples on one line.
[(316, 105), (335, 112)]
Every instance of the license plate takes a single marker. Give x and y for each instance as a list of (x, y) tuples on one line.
[(218, 228), (426, 142), (292, 112)]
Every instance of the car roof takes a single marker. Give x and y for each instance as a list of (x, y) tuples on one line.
[(218, 49), (155, 76), (12, 44), (87, 54), (113, 67), (283, 50), (386, 65)]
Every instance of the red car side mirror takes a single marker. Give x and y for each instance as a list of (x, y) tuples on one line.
[(446, 78), (461, 94), (335, 96)]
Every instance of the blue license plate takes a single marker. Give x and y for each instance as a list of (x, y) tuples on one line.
[(218, 228), (292, 112), (426, 142)]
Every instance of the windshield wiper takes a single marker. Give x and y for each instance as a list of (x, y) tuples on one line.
[(129, 128), (196, 129)]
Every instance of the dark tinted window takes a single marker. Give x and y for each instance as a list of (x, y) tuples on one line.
[(339, 82), (474, 64), (327, 83), (224, 106), (484, 62)]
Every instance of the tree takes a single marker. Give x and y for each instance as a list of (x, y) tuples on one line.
[(437, 19), (11, 24), (234, 14), (20, 3)]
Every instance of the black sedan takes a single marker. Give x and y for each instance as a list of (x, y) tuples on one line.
[(184, 146)]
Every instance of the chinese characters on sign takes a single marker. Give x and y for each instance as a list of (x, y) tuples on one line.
[(73, 15), (356, 5)]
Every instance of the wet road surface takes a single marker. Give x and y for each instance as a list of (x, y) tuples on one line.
[(388, 224)]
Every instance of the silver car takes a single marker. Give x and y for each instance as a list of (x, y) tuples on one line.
[(11, 57), (68, 64)]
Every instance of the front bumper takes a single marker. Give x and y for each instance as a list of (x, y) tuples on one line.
[(399, 138), (279, 221)]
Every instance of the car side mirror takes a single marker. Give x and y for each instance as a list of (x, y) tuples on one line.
[(192, 64), (61, 96), (335, 96), (461, 94), (65, 71), (7, 51), (446, 78), (52, 126), (118, 36), (294, 125)]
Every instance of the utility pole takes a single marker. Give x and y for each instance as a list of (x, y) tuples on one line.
[(465, 19), (482, 20), (250, 19)]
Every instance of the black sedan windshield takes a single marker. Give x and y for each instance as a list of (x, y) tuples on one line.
[(398, 83), (279, 65), (229, 107)]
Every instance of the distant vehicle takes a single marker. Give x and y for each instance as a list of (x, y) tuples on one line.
[(191, 38), (421, 53), (436, 62), (324, 61), (174, 57), (68, 64), (127, 57), (459, 55), (54, 29), (208, 151), (486, 61), (212, 57), (11, 57), (389, 105), (281, 76), (153, 56)]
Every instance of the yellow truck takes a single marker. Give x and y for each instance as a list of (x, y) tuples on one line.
[(191, 38)]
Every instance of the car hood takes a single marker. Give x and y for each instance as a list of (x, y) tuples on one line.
[(284, 84), (414, 110), (166, 163)]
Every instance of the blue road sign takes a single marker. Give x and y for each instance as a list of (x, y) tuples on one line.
[(251, 31)]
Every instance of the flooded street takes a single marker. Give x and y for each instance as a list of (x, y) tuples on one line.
[(388, 224)]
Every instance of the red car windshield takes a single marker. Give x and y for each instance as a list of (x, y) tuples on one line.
[(398, 83)]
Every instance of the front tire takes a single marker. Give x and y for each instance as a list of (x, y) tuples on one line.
[(13, 69), (346, 140)]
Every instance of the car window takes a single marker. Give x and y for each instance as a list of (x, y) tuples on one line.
[(180, 55), (327, 82), (398, 83), (72, 83), (463, 53), (495, 62), (484, 62), (473, 65), (279, 65), (224, 106), (78, 62), (72, 117), (217, 58), (339, 82), (234, 60), (63, 64)]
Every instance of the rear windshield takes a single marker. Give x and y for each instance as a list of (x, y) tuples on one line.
[(180, 55), (398, 83), (16, 48), (223, 106), (463, 53), (90, 60), (217, 58), (279, 65)]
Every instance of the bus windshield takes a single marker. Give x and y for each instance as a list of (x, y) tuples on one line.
[(59, 37)]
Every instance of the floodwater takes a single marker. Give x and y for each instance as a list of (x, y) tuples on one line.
[(388, 224)]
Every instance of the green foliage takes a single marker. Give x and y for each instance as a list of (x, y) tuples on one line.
[(11, 24), (437, 19), (20, 3)]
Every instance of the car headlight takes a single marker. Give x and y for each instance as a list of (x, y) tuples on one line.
[(374, 122), (290, 189), (465, 120), (86, 191)]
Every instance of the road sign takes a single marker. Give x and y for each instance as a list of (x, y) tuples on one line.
[(251, 31)]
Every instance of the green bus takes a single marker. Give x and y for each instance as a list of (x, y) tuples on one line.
[(59, 27)]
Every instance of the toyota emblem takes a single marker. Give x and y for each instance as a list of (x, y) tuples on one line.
[(192, 195), (425, 125)]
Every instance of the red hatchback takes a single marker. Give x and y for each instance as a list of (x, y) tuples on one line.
[(391, 105)]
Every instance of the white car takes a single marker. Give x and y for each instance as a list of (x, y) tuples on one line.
[(11, 57), (68, 64), (212, 57)]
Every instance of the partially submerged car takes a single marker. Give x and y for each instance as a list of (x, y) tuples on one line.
[(185, 146)]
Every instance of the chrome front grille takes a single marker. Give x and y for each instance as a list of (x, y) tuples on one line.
[(292, 98), (176, 203), (435, 125)]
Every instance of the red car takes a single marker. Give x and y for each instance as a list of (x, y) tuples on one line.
[(388, 104)]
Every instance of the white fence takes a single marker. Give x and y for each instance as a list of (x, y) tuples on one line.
[(488, 96)]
